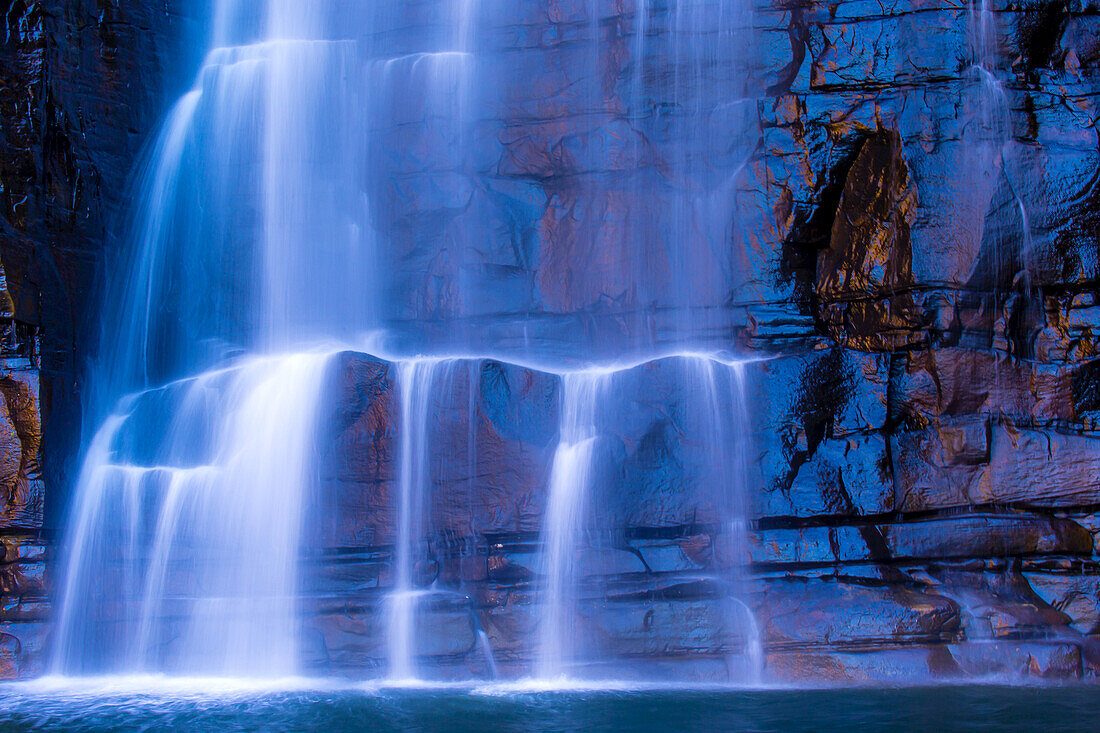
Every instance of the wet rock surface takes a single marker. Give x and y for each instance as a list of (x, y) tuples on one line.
[(24, 591), (838, 592), (83, 84), (921, 307), (24, 606)]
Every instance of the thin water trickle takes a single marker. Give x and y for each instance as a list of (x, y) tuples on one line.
[(416, 379), (563, 523), (994, 141), (486, 648)]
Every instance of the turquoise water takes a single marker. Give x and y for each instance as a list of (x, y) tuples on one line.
[(214, 706)]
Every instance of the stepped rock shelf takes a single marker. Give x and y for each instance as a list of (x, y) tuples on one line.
[(853, 585), (845, 581), (878, 459)]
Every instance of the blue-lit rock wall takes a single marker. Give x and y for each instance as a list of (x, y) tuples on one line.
[(846, 581), (81, 85), (925, 445)]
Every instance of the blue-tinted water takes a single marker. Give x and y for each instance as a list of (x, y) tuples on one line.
[(175, 706)]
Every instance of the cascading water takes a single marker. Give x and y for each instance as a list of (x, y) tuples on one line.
[(702, 110), (731, 446), (325, 178), (416, 378), (563, 523), (991, 136), (251, 235), (195, 521), (715, 413), (686, 93)]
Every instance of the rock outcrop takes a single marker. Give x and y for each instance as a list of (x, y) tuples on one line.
[(843, 582), (24, 606), (847, 582), (23, 590)]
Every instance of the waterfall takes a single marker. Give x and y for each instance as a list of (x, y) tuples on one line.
[(251, 243), (994, 136), (716, 414), (700, 112), (197, 524), (723, 427), (733, 442), (335, 171), (416, 378), (570, 475)]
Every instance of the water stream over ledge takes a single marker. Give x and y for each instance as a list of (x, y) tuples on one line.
[(185, 533)]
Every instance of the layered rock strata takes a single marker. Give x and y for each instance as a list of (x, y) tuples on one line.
[(23, 590), (844, 581), (24, 606)]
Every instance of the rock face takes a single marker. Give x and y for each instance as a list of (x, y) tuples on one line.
[(842, 584), (24, 606), (83, 85), (24, 601), (23, 591), (921, 293)]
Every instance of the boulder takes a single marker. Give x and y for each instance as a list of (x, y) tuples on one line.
[(799, 614)]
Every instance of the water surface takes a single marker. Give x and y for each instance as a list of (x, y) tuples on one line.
[(161, 704)]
